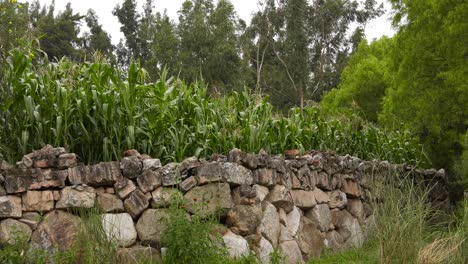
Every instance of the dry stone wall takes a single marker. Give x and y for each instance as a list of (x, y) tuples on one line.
[(299, 204)]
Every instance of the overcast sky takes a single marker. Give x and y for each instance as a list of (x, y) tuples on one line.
[(374, 29)]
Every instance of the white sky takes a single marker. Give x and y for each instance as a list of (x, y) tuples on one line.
[(244, 8)]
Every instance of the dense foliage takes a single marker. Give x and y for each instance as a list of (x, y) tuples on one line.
[(97, 111)]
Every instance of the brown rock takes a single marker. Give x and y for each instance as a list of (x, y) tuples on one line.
[(57, 232), (136, 203), (151, 225), (210, 172), (303, 199), (76, 197), (67, 160), (18, 180), (265, 177), (41, 201), (109, 203), (124, 187), (320, 196), (187, 184), (321, 216), (337, 199), (149, 180), (351, 188), (291, 153), (270, 226), (323, 181), (32, 219), (280, 197), (101, 174), (244, 194), (10, 206), (334, 241), (309, 238), (209, 199), (291, 251), (244, 219), (356, 208), (110, 190), (12, 231)]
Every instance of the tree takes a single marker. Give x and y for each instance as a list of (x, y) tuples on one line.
[(129, 19), (98, 40), (429, 94), (165, 44), (363, 81)]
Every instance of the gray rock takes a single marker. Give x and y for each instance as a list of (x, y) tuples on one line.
[(124, 187), (263, 250), (210, 172), (161, 197), (149, 180), (303, 199), (187, 184), (151, 164), (131, 167), (244, 219), (320, 196), (76, 197), (337, 199), (291, 251), (151, 225), (12, 231), (309, 238), (209, 199), (57, 232), (334, 241), (67, 160), (171, 174), (266, 177), (136, 203), (293, 221), (119, 229), (236, 174), (321, 216), (110, 203), (270, 226), (236, 245), (32, 219), (101, 174), (261, 192), (10, 206), (356, 208), (138, 254), (280, 197)]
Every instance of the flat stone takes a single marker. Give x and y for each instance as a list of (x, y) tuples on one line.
[(244, 219), (348, 227), (119, 229), (161, 197), (171, 174), (136, 203), (138, 254), (293, 221), (270, 226), (261, 192), (131, 167), (244, 195), (21, 180), (40, 201), (309, 238), (10, 206), (236, 245), (67, 160), (151, 164), (110, 203), (337, 199), (149, 180), (12, 231), (151, 225), (351, 188), (265, 177), (76, 197), (321, 216), (32, 219), (124, 187), (323, 181), (303, 199), (211, 172), (236, 174), (187, 184), (57, 232), (101, 174), (291, 251), (280, 197), (320, 196), (188, 166), (209, 199)]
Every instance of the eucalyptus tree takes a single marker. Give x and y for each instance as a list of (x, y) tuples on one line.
[(97, 39)]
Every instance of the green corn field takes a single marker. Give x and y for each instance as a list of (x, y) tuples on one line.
[(97, 111)]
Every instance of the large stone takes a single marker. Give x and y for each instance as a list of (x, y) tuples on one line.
[(136, 203), (12, 231), (236, 245), (32, 219), (320, 196), (119, 229), (244, 194), (284, 234), (149, 180), (303, 199), (161, 197), (291, 252), (337, 199), (101, 174), (57, 232), (10, 206), (210, 172), (236, 174), (244, 219), (76, 197), (263, 250), (351, 188), (321, 216), (209, 199), (67, 160), (124, 187), (187, 184), (138, 254), (280, 197), (41, 201), (323, 181), (20, 180), (261, 192), (110, 203), (356, 208), (270, 226), (171, 174), (309, 238), (151, 164), (293, 221), (265, 177), (348, 227), (188, 166), (131, 167), (151, 225), (334, 241)]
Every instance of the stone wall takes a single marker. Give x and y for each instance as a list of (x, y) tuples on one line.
[(299, 204)]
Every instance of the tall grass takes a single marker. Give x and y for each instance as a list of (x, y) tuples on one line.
[(96, 111)]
